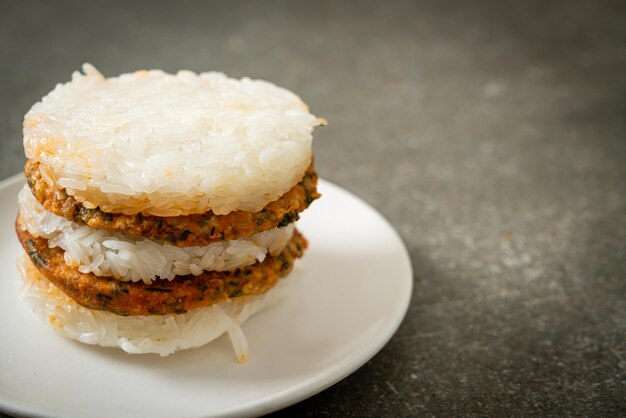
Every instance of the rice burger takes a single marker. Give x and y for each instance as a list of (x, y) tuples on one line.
[(159, 209)]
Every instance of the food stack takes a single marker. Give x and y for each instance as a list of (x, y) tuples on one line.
[(159, 211)]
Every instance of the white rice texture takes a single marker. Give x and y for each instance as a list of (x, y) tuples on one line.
[(168, 145), (126, 258), (159, 334)]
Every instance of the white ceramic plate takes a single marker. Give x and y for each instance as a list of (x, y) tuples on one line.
[(350, 293)]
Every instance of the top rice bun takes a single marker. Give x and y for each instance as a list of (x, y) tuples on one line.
[(167, 145)]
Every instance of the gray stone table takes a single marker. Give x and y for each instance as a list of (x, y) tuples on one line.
[(492, 135)]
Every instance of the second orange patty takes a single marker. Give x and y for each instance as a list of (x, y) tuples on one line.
[(161, 297)]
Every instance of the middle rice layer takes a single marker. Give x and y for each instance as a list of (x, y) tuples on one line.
[(128, 258)]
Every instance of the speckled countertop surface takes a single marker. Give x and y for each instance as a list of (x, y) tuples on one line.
[(492, 136)]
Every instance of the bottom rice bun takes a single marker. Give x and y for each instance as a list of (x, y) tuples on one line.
[(160, 334)]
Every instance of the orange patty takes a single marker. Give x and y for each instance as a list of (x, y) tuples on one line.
[(162, 296), (182, 231)]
